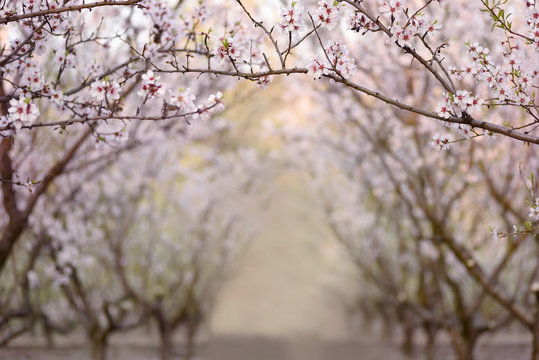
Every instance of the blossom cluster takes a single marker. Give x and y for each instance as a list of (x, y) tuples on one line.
[(226, 48), (165, 25), (534, 210), (456, 104), (440, 142), (105, 90), (21, 112), (328, 12), (358, 22), (508, 83), (327, 15), (264, 81), (391, 8), (182, 100), (340, 62), (212, 104), (240, 47), (404, 28), (32, 80), (291, 18), (150, 88), (533, 23)]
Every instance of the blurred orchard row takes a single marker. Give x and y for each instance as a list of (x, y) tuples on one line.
[(132, 174)]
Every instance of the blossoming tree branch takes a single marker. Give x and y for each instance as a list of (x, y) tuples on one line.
[(195, 42)]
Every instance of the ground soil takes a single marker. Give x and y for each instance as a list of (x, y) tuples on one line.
[(263, 349)]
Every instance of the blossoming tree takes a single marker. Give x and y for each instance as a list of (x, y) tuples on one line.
[(422, 242), (82, 83)]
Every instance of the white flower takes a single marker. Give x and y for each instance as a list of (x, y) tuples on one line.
[(357, 21), (443, 110), (23, 110), (113, 90), (97, 91), (534, 212), (338, 54), (104, 89), (433, 28), (328, 12), (463, 129), (503, 91), (34, 80), (150, 88), (291, 18), (463, 99), (440, 142), (225, 48), (213, 103), (390, 7), (523, 99), (403, 37), (263, 81), (5, 124), (475, 102), (183, 99), (216, 101), (316, 69), (150, 77), (58, 98)]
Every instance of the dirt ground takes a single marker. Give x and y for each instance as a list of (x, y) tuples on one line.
[(264, 349)]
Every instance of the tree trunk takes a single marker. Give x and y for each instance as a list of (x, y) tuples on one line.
[(15, 226), (11, 233), (535, 344), (462, 347), (407, 345), (191, 332), (99, 346), (535, 330), (166, 343), (49, 338), (430, 345), (388, 327)]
